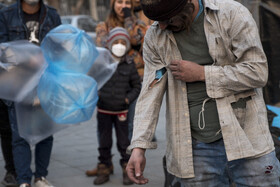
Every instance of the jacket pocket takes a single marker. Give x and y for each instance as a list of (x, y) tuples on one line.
[(239, 105), (17, 33)]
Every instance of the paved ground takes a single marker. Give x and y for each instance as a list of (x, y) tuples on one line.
[(75, 151)]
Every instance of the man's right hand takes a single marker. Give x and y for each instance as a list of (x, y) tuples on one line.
[(136, 166)]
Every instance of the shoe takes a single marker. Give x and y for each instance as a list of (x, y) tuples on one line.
[(103, 174), (42, 182), (9, 180), (93, 172), (126, 180)]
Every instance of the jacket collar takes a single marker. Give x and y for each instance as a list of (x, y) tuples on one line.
[(210, 4)]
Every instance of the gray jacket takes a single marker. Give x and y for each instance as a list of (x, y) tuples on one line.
[(239, 70)]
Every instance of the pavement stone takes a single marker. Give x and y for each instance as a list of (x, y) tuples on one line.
[(75, 151)]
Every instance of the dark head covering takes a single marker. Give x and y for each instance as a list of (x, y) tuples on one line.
[(160, 10)]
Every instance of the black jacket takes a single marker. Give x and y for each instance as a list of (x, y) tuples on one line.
[(125, 83)]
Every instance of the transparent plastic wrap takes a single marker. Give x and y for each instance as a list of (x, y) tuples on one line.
[(34, 124), (69, 49), (68, 98), (21, 66), (104, 67)]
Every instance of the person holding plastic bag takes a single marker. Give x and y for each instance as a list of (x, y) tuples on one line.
[(114, 98), (6, 142), (31, 20)]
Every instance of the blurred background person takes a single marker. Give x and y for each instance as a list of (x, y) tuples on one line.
[(121, 15), (6, 143), (30, 20), (114, 98)]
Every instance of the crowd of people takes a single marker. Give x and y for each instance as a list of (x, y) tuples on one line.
[(204, 55)]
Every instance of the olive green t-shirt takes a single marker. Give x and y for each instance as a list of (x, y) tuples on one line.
[(193, 47)]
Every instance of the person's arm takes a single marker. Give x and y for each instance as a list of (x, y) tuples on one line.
[(187, 71), (135, 27), (101, 34), (147, 110), (249, 70), (136, 165)]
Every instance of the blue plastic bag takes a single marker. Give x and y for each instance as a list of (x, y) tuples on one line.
[(68, 98), (66, 93), (69, 49)]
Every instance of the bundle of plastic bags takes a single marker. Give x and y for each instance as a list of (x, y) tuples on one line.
[(65, 86), (66, 93)]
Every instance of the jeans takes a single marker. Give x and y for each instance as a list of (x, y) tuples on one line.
[(105, 127), (212, 168), (6, 138), (22, 153)]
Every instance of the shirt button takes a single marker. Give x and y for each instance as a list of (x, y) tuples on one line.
[(184, 89), (186, 114), (189, 141)]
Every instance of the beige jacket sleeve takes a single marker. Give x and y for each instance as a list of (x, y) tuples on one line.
[(248, 68), (149, 101)]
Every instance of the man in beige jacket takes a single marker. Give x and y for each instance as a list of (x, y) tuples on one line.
[(206, 56)]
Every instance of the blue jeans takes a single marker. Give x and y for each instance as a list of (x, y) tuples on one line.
[(22, 153), (212, 168)]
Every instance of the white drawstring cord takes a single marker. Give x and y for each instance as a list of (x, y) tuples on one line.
[(201, 113)]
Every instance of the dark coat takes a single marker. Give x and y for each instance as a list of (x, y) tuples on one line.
[(2, 6), (125, 83)]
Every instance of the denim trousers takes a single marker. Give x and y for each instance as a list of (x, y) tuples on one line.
[(23, 155), (212, 169), (6, 138)]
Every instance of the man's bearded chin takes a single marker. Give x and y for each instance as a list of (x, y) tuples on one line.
[(183, 20)]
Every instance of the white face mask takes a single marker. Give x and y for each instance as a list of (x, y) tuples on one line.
[(118, 50), (31, 2)]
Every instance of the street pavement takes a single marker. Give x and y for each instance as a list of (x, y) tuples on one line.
[(75, 151)]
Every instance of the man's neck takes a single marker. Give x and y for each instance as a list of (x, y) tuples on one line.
[(196, 8), (30, 9)]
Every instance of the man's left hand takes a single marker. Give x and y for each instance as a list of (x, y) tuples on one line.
[(187, 71)]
